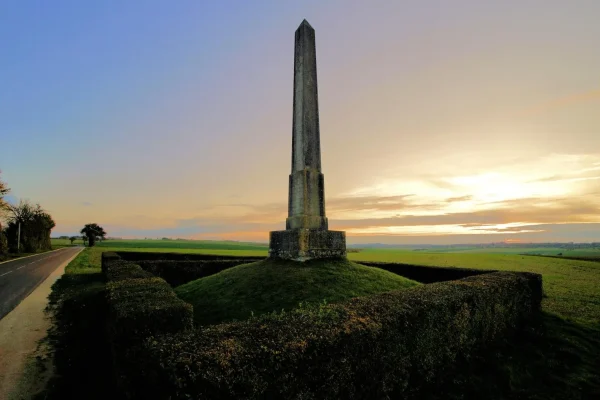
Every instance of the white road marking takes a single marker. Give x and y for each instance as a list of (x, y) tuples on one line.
[(33, 262), (33, 255)]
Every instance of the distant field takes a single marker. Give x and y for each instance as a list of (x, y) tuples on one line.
[(542, 251), (183, 244), (561, 361), (571, 286), (57, 243)]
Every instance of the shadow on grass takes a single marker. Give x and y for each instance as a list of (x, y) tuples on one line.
[(551, 359), (82, 364)]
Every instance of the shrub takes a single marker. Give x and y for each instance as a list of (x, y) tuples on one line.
[(138, 308), (119, 270), (178, 272), (383, 346), (427, 274), (139, 305), (108, 257)]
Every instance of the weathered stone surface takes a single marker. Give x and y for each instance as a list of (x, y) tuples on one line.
[(306, 244), (307, 191), (306, 235)]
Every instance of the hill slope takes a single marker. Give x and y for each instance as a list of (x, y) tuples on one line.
[(271, 285)]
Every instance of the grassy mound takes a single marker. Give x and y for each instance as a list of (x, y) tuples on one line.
[(273, 285)]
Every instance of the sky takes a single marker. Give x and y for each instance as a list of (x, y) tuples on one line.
[(441, 122)]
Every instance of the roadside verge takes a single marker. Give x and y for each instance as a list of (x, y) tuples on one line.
[(21, 331)]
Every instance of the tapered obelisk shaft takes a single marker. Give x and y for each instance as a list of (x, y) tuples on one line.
[(306, 207), (306, 235)]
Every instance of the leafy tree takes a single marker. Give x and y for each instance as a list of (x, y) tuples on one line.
[(93, 232), (85, 240), (36, 225), (72, 239)]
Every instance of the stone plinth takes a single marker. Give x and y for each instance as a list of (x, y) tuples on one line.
[(306, 244)]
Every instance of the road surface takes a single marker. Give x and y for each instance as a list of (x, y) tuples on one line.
[(18, 278)]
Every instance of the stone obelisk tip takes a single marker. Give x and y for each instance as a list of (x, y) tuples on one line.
[(305, 23)]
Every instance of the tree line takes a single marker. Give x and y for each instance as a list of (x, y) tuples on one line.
[(28, 227)]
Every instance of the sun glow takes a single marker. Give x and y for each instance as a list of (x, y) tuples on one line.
[(534, 185), (428, 230), (497, 187)]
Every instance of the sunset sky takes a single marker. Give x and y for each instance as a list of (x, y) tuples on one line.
[(441, 121)]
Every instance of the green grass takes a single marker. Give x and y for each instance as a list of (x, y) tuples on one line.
[(59, 243), (559, 359), (273, 285), (544, 251), (183, 245), (571, 286)]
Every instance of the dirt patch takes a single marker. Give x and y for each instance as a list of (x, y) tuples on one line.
[(21, 332)]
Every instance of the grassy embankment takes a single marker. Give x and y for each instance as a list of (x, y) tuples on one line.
[(273, 285), (559, 360)]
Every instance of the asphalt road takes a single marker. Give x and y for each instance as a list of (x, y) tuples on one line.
[(18, 278)]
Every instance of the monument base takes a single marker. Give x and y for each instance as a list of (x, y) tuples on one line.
[(307, 244)]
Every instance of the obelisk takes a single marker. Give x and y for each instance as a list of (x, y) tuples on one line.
[(306, 236)]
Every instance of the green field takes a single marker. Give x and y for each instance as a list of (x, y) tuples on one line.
[(542, 251), (183, 245), (558, 360), (58, 243), (571, 286)]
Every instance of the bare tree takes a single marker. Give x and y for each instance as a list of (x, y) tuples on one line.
[(4, 189)]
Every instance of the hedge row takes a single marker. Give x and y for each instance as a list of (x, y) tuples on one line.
[(179, 268), (139, 306), (179, 272), (119, 270), (391, 345), (147, 256), (427, 274)]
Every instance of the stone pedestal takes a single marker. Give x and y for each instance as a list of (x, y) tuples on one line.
[(306, 244)]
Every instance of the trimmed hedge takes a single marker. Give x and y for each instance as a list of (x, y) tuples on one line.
[(119, 270), (180, 268), (139, 305), (427, 274), (147, 256), (142, 307), (179, 272), (107, 257), (391, 345)]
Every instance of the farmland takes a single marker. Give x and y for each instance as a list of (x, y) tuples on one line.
[(571, 286), (559, 362)]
